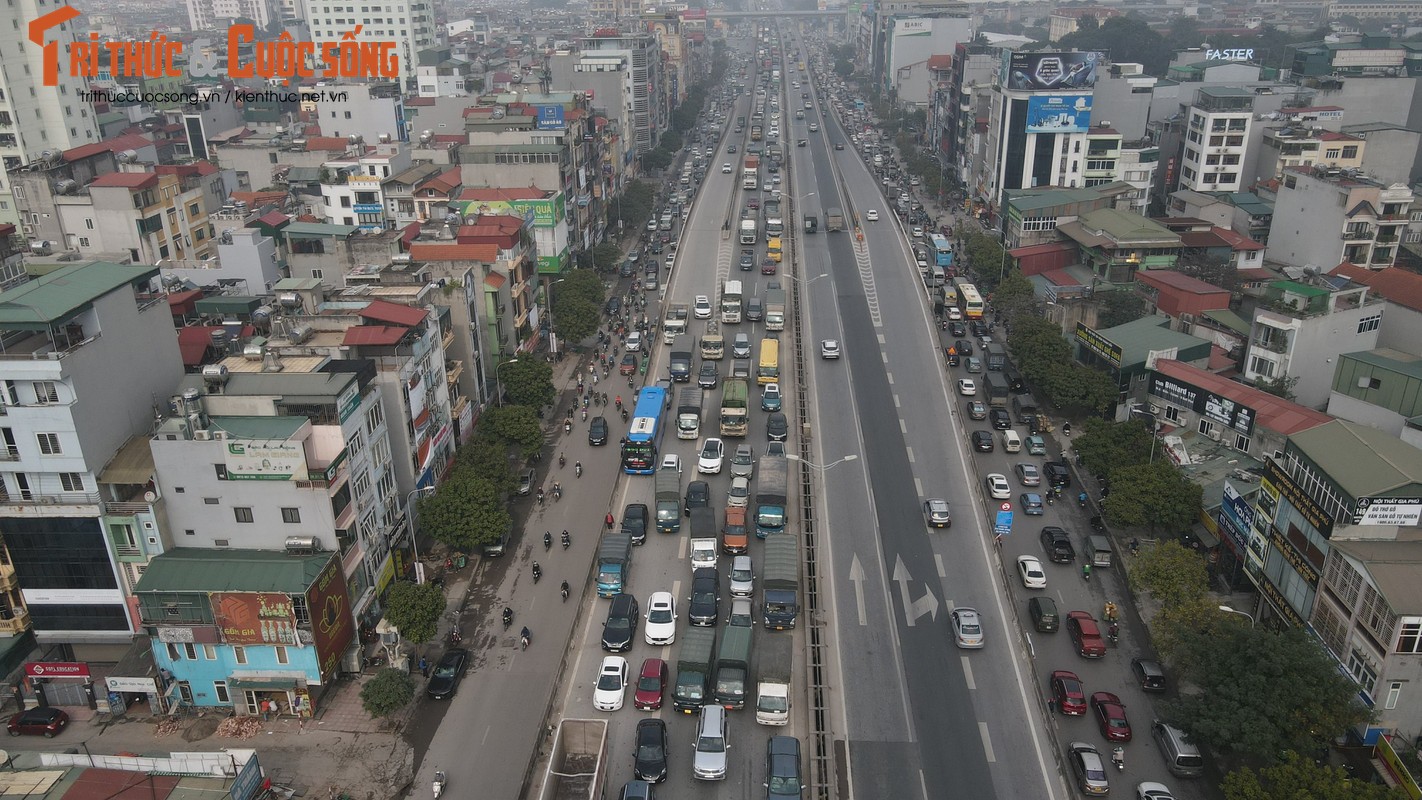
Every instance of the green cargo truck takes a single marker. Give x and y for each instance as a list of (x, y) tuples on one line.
[(693, 669), (668, 500), (733, 662), (734, 414), (780, 581)]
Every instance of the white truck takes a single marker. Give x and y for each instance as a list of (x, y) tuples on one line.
[(703, 538), (749, 234), (688, 413), (772, 694), (675, 323), (731, 297)]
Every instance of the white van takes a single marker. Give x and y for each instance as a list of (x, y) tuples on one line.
[(1181, 757), (1011, 442)]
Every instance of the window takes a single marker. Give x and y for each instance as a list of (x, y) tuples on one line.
[(243, 513), (48, 443), (190, 651), (219, 688), (1394, 692), (1206, 427), (89, 224), (71, 481), (173, 653), (1362, 671), (1241, 443), (221, 470), (46, 392), (1262, 367), (318, 274), (1369, 324), (83, 241), (240, 654), (281, 655), (209, 652), (1172, 414), (1409, 637), (291, 515)]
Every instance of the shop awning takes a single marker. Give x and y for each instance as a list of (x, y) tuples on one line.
[(266, 683)]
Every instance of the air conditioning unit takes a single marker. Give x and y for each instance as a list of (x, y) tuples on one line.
[(1214, 435), (202, 436)]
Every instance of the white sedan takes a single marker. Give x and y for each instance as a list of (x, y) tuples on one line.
[(702, 307), (726, 168), (1031, 571), (661, 619), (967, 387), (713, 452), (611, 685), (872, 215), (998, 487), (829, 348), (739, 494)]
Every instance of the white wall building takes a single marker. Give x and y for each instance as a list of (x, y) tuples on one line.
[(1217, 140), (209, 14), (409, 22)]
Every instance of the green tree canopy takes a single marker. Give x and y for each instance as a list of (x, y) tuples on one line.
[(517, 424), (1126, 39), (1170, 573), (671, 141), (1214, 270), (467, 512), (1298, 777), (655, 159), (1118, 308), (486, 457), (1108, 446), (606, 257), (387, 692), (527, 382), (1260, 692), (1015, 297), (414, 608), (585, 283), (1154, 496), (576, 319)]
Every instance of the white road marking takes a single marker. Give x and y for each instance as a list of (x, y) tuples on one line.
[(918, 486), (968, 674), (903, 426), (909, 451), (938, 561), (987, 742)]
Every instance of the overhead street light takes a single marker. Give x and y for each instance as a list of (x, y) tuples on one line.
[(831, 465), (410, 522), (1244, 614)]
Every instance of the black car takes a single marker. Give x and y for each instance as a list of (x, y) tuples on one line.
[(747, 262), (1057, 473), (964, 347), (620, 629), (447, 673), (1148, 674), (705, 600), (839, 145), (649, 761), (627, 270), (982, 441), (634, 522), (597, 431), (698, 495), (614, 305), (777, 427), (709, 376), (1058, 545), (782, 768), (958, 329), (980, 328), (1001, 420)]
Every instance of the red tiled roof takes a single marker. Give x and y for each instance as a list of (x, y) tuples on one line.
[(180, 303), (128, 141), (374, 335), (940, 62), (454, 251), (1176, 280), (450, 138), (327, 143), (394, 313), (443, 182), (1397, 285), (494, 280), (273, 218), (126, 180), (503, 223), (1237, 240), (194, 340), (8, 229), (419, 102), (1252, 274), (409, 234), (117, 784), (1270, 411)]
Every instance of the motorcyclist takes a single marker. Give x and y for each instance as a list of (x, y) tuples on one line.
[(564, 589), (525, 635), (537, 571), (547, 539), (567, 538), (562, 460), (508, 616), (578, 468)]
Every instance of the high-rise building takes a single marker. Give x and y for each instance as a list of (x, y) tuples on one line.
[(411, 23), (1216, 139), (35, 118), (205, 14), (645, 77)]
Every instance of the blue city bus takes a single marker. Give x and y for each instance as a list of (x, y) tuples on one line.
[(644, 440), (940, 250)]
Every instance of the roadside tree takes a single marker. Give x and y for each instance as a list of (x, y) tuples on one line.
[(387, 692), (414, 608), (527, 382)]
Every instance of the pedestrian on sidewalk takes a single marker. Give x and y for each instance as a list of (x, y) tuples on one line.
[(609, 520), (424, 666), (1052, 705)]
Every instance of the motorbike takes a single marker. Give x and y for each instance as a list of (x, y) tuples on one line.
[(1118, 757), (557, 491), (564, 589), (1081, 499), (547, 540), (376, 660), (1113, 632), (567, 426), (578, 469), (508, 617), (585, 414), (455, 637), (439, 781), (624, 415), (525, 637), (537, 572), (1066, 428), (567, 540), (540, 496), (562, 461)]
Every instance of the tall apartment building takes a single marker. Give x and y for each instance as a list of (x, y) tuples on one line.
[(210, 14), (1217, 139), (90, 361), (411, 23), (34, 118), (1301, 328), (645, 78), (1323, 216)]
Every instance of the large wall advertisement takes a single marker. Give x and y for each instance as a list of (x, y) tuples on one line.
[(1033, 72), (1062, 113)]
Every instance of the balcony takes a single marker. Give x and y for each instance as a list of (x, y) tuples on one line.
[(1356, 234), (14, 621), (8, 583), (60, 499)]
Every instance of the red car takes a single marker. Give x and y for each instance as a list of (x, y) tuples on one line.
[(1111, 716), (768, 266), (651, 685), (46, 722), (629, 365), (1085, 634), (1069, 694)]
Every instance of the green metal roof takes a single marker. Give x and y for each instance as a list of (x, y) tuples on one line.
[(260, 428), (317, 230), (61, 294), (1139, 338), (1364, 461), (1300, 288), (197, 569), (1230, 320), (296, 284), (1250, 203), (1126, 228), (1391, 360), (1032, 199)]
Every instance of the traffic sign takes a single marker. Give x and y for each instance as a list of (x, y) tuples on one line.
[(1003, 525)]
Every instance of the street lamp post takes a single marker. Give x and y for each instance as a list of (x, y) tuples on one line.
[(552, 342), (414, 535), (826, 467), (1244, 614), (499, 387)]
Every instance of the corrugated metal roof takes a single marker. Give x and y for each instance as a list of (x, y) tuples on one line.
[(1365, 462), (195, 569), (374, 335), (60, 294), (1393, 566), (394, 313), (318, 230), (1270, 411)]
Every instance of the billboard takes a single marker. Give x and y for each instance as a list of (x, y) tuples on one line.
[(913, 27), (1227, 412), (332, 627), (253, 461), (1099, 344), (547, 213), (1064, 113), (1049, 71), (550, 118), (254, 617), (1401, 511)]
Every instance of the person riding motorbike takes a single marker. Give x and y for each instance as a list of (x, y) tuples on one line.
[(508, 616), (567, 539), (547, 539), (578, 468), (562, 461), (537, 572), (540, 495), (564, 589), (525, 636)]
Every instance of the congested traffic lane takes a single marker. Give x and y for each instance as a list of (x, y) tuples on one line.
[(972, 705), (704, 262)]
